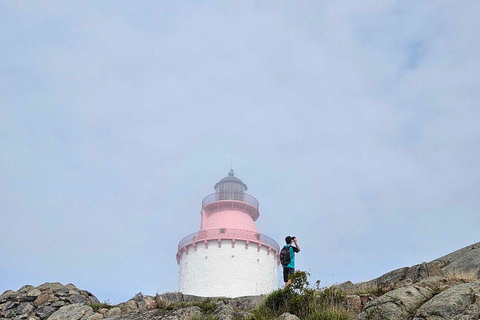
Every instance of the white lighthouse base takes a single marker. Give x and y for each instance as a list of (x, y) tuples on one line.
[(227, 271)]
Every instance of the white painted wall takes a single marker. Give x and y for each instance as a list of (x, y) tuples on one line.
[(226, 271)]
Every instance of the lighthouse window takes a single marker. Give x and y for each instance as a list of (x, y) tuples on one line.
[(230, 191)]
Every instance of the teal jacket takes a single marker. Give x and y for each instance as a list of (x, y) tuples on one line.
[(293, 250)]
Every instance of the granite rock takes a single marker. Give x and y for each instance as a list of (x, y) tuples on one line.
[(72, 312), (115, 311), (224, 312), (458, 302), (44, 311), (287, 316)]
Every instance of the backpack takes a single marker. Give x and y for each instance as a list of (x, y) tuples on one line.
[(285, 256)]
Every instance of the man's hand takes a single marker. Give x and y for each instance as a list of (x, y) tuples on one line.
[(296, 244)]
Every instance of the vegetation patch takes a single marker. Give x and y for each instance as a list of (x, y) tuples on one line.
[(205, 317), (464, 276), (376, 290), (305, 302), (98, 306), (207, 306)]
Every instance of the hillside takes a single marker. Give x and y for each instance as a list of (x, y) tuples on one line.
[(444, 288)]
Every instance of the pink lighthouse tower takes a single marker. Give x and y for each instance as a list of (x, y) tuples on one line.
[(228, 257)]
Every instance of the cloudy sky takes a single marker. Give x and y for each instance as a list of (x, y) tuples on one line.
[(355, 124)]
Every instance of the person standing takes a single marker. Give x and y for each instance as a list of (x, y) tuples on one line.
[(287, 258)]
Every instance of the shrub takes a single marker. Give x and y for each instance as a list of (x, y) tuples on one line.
[(277, 301), (304, 302), (207, 306), (333, 296)]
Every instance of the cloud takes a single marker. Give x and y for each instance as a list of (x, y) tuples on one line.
[(356, 121)]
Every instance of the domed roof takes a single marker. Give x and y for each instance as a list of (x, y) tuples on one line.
[(231, 178)]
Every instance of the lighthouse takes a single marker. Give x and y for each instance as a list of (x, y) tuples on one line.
[(228, 256)]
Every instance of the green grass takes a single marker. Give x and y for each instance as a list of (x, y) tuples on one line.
[(304, 302), (329, 314), (204, 317), (98, 306), (207, 306)]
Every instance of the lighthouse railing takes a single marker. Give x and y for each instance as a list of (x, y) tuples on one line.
[(233, 196), (223, 233)]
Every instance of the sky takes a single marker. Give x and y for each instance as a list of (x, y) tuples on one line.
[(354, 123)]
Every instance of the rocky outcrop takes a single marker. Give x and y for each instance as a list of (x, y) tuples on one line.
[(35, 303), (58, 302), (432, 298), (186, 313), (224, 312), (464, 260), (356, 302), (73, 312), (459, 302), (396, 278), (445, 288), (397, 304), (175, 305)]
